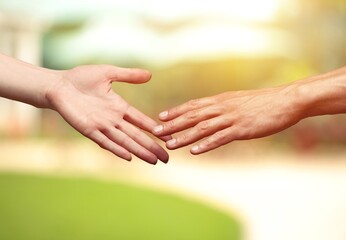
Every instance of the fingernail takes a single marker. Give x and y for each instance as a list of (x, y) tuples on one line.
[(171, 142), (194, 149), (163, 114), (158, 129)]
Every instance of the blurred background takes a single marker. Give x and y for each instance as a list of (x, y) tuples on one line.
[(288, 186)]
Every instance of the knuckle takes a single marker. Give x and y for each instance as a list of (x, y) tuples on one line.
[(170, 125), (172, 112), (203, 126), (228, 119), (244, 133), (193, 103), (219, 138), (207, 143), (221, 109), (184, 138), (192, 115)]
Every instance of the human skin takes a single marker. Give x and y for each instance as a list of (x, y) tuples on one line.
[(83, 96), (242, 115)]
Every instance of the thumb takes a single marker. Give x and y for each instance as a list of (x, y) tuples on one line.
[(129, 75)]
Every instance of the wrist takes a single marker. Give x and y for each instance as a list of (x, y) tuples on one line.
[(322, 95), (294, 96), (51, 92)]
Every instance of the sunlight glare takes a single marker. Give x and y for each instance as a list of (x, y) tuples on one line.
[(245, 10)]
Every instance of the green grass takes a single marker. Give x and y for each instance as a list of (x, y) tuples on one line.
[(48, 208)]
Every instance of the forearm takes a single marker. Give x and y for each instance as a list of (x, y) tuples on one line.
[(321, 95), (24, 82)]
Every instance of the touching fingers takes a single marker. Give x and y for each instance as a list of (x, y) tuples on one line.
[(129, 144), (105, 143), (144, 140)]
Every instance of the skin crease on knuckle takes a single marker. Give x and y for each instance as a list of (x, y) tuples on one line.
[(215, 111), (215, 117), (218, 139), (203, 126), (183, 138), (192, 115), (194, 103), (170, 126), (202, 129)]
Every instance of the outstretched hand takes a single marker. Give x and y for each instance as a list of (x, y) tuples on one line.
[(85, 99), (230, 116)]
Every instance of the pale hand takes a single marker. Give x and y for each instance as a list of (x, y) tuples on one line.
[(85, 99)]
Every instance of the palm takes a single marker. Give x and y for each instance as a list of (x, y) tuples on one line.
[(91, 96), (87, 102)]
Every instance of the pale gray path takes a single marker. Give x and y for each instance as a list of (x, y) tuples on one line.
[(277, 197)]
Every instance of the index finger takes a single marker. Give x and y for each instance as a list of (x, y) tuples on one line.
[(186, 107)]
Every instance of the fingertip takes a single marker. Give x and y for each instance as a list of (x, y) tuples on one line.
[(195, 150), (161, 154), (127, 157), (152, 161), (163, 115), (164, 158), (171, 143), (149, 74), (129, 75), (158, 130), (145, 75), (149, 157)]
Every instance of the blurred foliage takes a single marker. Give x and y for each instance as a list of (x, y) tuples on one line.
[(33, 207)]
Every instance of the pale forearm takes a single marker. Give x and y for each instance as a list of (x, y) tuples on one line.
[(24, 82)]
